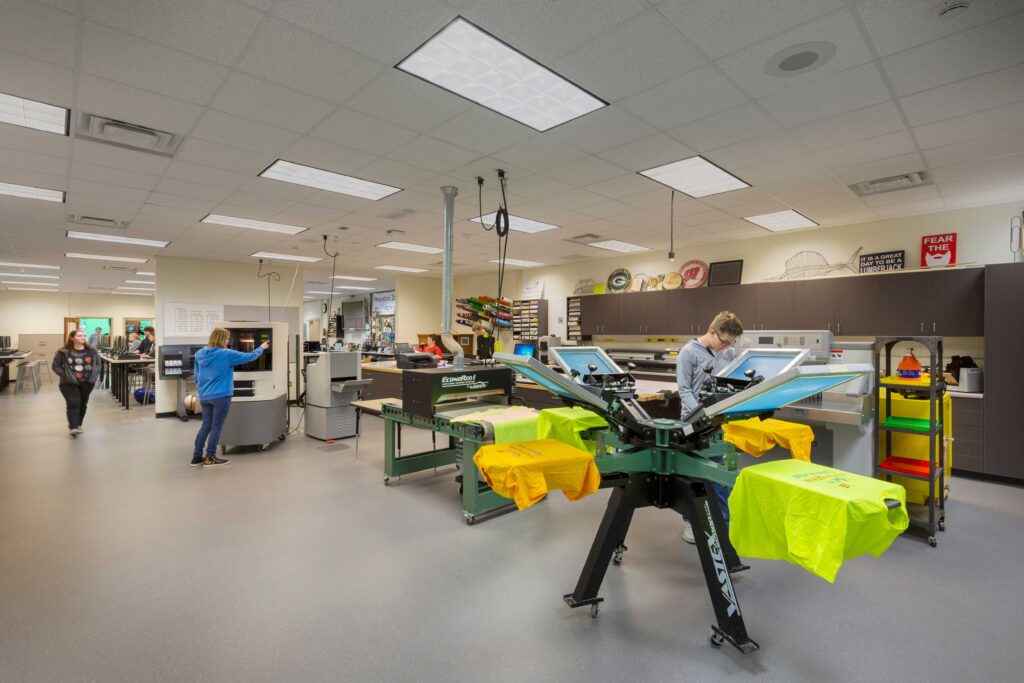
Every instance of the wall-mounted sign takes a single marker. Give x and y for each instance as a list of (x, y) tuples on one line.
[(384, 303), (883, 260), (938, 251), (694, 273), (533, 290)]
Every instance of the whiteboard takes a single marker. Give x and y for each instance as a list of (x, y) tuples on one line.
[(192, 322)]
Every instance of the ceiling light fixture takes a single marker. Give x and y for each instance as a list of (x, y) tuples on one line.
[(132, 293), (31, 114), (518, 262), (31, 289), (8, 264), (471, 63), (286, 257), (100, 257), (402, 269), (363, 289), (516, 223), (139, 289), (405, 246), (616, 245), (253, 225), (117, 239), (29, 192), (140, 272), (139, 282), (42, 277), (695, 176), (781, 220), (324, 293), (354, 278), (34, 284), (297, 174)]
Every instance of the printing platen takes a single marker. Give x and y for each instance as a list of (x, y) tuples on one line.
[(578, 358), (765, 364), (549, 379), (792, 385)]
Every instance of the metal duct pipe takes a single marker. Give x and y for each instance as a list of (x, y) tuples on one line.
[(447, 339)]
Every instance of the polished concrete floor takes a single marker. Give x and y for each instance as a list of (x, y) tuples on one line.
[(120, 563)]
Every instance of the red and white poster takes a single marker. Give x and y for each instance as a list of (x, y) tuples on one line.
[(938, 251)]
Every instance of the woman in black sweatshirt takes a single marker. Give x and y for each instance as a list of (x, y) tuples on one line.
[(76, 365)]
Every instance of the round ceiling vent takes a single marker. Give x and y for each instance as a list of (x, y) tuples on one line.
[(799, 59)]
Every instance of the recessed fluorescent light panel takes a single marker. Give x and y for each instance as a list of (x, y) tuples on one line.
[(616, 245), (473, 64), (100, 257), (781, 220), (364, 289), (34, 284), (139, 289), (139, 272), (139, 282), (518, 262), (405, 246), (31, 114), (132, 293), (117, 239), (696, 177), (402, 269), (38, 277), (7, 264), (31, 289), (29, 192), (286, 257), (517, 223), (324, 293), (289, 172), (253, 225), (354, 278)]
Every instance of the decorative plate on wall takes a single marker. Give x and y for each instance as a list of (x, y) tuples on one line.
[(672, 281), (639, 283), (693, 273), (619, 280)]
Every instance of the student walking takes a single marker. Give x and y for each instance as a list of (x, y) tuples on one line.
[(215, 381), (76, 366)]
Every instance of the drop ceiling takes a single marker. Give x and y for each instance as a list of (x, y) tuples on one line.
[(313, 82)]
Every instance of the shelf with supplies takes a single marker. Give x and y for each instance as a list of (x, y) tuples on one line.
[(573, 307), (529, 319)]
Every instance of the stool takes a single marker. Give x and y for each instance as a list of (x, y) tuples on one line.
[(43, 368), (27, 374), (148, 375)]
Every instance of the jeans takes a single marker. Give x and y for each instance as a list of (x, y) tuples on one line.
[(215, 412), (722, 494), (76, 396)]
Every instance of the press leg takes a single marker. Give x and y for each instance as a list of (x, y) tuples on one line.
[(610, 535)]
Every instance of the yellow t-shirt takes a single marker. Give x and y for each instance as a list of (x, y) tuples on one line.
[(526, 471)]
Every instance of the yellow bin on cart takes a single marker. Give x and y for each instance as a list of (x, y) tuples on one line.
[(912, 445)]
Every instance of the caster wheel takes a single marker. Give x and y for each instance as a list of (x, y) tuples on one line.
[(594, 610), (617, 557), (387, 480), (470, 521), (282, 437), (715, 640), (932, 541), (942, 525)]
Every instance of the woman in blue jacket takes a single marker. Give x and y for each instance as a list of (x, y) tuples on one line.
[(215, 380)]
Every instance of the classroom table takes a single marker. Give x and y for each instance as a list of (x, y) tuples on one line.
[(6, 359), (116, 376)]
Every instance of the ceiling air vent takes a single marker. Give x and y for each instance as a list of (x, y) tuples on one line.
[(118, 268), (584, 238), (96, 221), (127, 135), (891, 184)]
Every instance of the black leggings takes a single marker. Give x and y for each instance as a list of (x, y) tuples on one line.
[(77, 397)]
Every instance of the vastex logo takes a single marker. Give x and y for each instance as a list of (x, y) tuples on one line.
[(720, 569)]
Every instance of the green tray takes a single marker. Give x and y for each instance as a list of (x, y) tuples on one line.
[(915, 423)]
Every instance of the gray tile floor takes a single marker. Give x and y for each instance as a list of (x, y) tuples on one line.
[(120, 563)]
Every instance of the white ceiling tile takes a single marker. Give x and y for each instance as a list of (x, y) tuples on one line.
[(262, 101), (917, 208), (324, 155), (257, 201), (29, 161), (534, 186), (913, 194), (704, 217), (193, 190), (293, 57), (386, 30), (432, 154), (103, 207), (881, 147), (586, 171), (986, 48), (245, 210), (733, 125), (212, 29), (26, 77), (855, 88), (118, 157), (574, 199), (334, 201), (966, 97), (482, 131), (366, 133), (540, 153), (722, 27), (175, 213), (797, 169), (35, 141), (856, 125), (963, 195), (895, 26), (113, 176), (393, 173), (207, 175), (555, 28), (762, 205), (407, 101), (884, 168), (304, 213), (65, 5), (221, 156), (748, 67), (647, 153), (606, 209), (690, 97), (777, 146), (125, 103), (658, 195), (972, 126), (976, 150), (602, 129), (635, 55), (198, 206), (1011, 166), (242, 133), (622, 186), (266, 187), (133, 61), (38, 31), (727, 200)]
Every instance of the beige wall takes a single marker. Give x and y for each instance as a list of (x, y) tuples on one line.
[(44, 312), (417, 307)]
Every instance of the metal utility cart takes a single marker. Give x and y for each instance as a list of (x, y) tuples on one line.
[(889, 464)]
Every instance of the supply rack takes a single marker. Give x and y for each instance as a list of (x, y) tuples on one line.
[(573, 306), (886, 463), (529, 319)]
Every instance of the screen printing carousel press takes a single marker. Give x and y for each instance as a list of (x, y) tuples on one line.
[(670, 464)]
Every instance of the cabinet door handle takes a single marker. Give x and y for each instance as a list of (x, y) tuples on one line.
[(933, 327), (830, 327), (922, 327), (839, 328)]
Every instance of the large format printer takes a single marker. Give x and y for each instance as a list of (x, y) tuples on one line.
[(259, 407), (333, 381)]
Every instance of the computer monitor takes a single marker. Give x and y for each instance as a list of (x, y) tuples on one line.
[(580, 358), (788, 387), (529, 350), (765, 362), (725, 273)]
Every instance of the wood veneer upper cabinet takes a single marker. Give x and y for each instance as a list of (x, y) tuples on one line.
[(741, 300), (855, 305), (699, 307), (775, 306), (1004, 372), (943, 302), (601, 313)]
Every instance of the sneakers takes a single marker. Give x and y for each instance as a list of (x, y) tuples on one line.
[(688, 533), (197, 460), (75, 431), (212, 460)]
